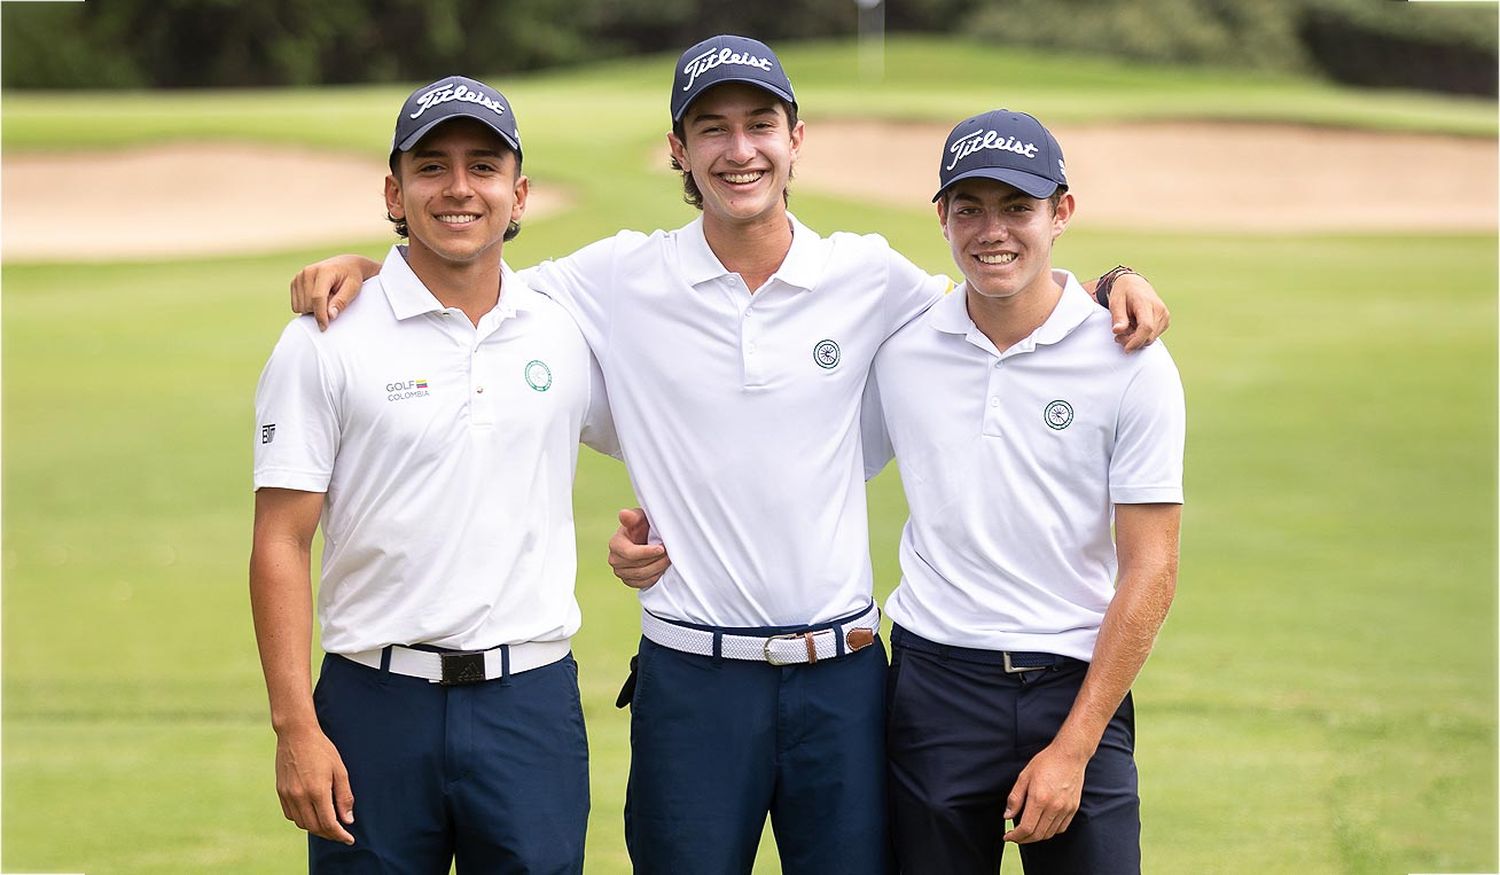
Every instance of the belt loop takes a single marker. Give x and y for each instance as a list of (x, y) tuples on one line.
[(838, 640), (505, 665), (718, 652), (385, 664)]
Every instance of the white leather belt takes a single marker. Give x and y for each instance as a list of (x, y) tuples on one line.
[(793, 648), (466, 667)]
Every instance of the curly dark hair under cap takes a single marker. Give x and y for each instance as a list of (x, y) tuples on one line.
[(403, 232), (693, 195)]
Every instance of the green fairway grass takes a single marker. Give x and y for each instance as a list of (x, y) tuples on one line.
[(1323, 697)]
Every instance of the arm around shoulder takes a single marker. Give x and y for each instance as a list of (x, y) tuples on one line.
[(584, 283), (326, 287), (1138, 315), (909, 289)]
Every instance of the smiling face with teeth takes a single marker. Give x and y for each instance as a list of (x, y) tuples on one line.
[(457, 189), (1002, 237), (739, 146)]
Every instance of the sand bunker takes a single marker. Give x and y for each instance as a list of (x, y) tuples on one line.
[(194, 200), (217, 199), (1200, 176)]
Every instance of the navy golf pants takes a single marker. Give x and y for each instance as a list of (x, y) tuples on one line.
[(492, 775), (717, 744), (959, 731)]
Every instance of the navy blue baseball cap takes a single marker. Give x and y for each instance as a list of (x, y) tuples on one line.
[(1012, 147), (727, 58), (449, 98)]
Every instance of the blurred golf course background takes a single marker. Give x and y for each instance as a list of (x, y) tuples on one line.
[(1322, 699)]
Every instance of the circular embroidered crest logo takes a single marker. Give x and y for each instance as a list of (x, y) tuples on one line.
[(538, 375), (1059, 415), (826, 354)]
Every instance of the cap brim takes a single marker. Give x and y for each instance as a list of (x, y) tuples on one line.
[(416, 136), (758, 83), (1036, 186)]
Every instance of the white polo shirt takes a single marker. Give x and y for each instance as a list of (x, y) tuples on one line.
[(738, 414), (1012, 463), (447, 453)]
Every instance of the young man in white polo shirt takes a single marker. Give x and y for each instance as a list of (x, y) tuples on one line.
[(1022, 432), (435, 436), (738, 348)]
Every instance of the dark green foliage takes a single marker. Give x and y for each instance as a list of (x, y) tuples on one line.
[(63, 45), (1174, 31), (1437, 47), (134, 43), (279, 42), (1362, 42)]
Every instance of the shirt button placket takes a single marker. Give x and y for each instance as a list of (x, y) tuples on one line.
[(751, 356), (992, 408), (480, 405)]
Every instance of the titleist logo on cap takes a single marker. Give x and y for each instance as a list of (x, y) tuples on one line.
[(965, 146), (715, 57), (446, 93)]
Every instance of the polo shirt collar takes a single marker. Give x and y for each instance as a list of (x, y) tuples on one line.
[(1072, 308), (802, 267), (951, 314), (804, 262), (410, 297)]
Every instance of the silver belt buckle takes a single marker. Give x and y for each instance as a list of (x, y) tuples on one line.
[(790, 636), (1018, 669)]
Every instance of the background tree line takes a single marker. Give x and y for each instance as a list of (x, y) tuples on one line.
[(226, 43)]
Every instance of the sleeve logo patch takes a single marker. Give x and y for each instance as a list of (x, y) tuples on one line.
[(1058, 415), (538, 375), (826, 354), (268, 433)]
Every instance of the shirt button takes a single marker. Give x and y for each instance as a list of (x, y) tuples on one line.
[(997, 364), (994, 402), (480, 390)]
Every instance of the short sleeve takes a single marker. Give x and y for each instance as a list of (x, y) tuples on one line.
[(1146, 466), (875, 438), (598, 425), (297, 422), (909, 290), (581, 283)]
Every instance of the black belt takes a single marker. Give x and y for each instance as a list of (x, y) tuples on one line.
[(1013, 661)]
